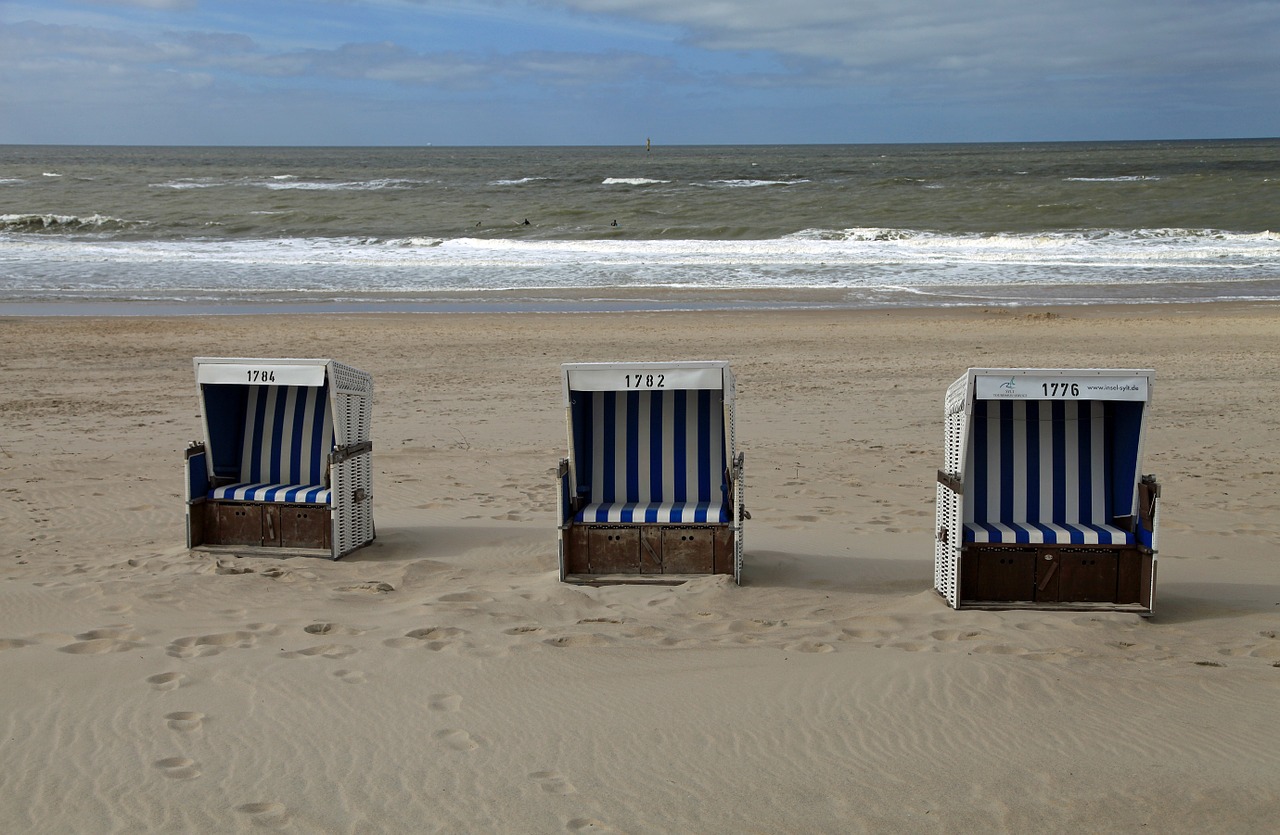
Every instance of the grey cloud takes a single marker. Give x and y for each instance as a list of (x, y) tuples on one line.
[(917, 37)]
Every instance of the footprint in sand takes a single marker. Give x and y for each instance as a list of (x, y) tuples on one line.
[(465, 597), (350, 676), (104, 640), (13, 643), (371, 587), (98, 646), (579, 641), (434, 638), (200, 646), (523, 630), (446, 702), (185, 720), (332, 629), (457, 739), (914, 646), (552, 782), (178, 768), (998, 649), (266, 813), (323, 650), (166, 681), (811, 646), (954, 635)]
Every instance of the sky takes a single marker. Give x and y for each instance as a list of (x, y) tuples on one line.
[(620, 72)]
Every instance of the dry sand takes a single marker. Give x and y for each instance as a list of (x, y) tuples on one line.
[(441, 680)]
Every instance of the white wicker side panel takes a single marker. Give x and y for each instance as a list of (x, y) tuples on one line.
[(350, 380), (352, 479), (740, 502), (949, 518), (739, 488), (1155, 547), (352, 504), (354, 419)]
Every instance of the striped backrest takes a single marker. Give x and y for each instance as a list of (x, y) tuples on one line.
[(1048, 461), (288, 434), (650, 446)]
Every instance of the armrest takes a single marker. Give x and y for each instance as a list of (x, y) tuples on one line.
[(1148, 510), (952, 482), (349, 451), (567, 500), (197, 467), (735, 482)]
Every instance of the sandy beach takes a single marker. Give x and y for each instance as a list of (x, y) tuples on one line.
[(442, 680)]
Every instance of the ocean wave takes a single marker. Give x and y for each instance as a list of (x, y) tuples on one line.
[(520, 182), (291, 182), (632, 181), (356, 185), (28, 223), (756, 183), (1133, 178)]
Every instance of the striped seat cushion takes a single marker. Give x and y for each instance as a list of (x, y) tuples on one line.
[(1040, 533), (292, 493), (288, 434), (1042, 472), (651, 456), (670, 512)]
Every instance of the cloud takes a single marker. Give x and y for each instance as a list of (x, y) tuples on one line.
[(817, 70), (146, 4), (94, 54), (982, 39)]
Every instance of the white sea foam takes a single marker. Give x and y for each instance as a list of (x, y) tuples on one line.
[(632, 181), (519, 182), (865, 262), (1125, 179), (358, 185), (756, 183)]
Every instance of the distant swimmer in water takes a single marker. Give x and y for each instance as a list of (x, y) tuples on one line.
[(615, 223), (477, 224), (526, 222)]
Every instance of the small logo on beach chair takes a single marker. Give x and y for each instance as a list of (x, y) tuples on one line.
[(1009, 386)]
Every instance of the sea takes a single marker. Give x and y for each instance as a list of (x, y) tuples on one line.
[(439, 229)]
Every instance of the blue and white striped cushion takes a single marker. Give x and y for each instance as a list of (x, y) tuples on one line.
[(292, 493), (1040, 474), (669, 512), (288, 434), (654, 456), (1037, 533)]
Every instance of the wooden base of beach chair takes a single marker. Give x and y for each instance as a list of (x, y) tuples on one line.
[(646, 552), (264, 525), (1056, 576)]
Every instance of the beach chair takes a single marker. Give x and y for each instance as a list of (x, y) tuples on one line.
[(652, 489), (286, 461), (1041, 503)]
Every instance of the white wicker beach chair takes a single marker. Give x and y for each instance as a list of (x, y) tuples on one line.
[(286, 460), (1041, 503), (652, 489)]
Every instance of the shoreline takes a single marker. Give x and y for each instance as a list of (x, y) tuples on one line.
[(586, 302), (104, 310)]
